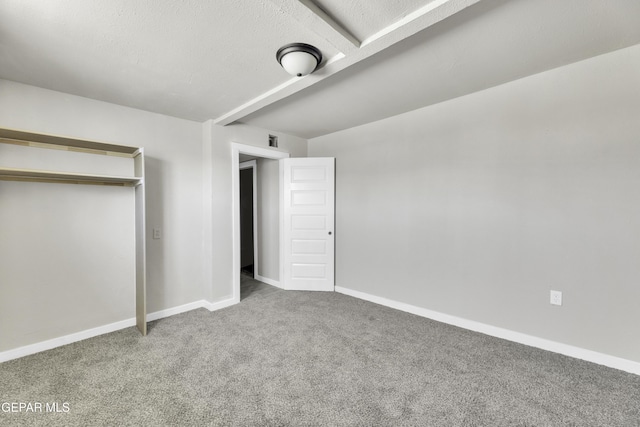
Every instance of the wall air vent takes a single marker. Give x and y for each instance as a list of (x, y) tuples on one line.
[(273, 141)]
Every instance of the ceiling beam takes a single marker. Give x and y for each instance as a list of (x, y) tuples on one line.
[(319, 22), (342, 31)]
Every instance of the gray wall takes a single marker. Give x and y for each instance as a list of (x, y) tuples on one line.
[(268, 219), (478, 206), (66, 252)]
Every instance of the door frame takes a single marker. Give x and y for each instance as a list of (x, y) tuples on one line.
[(253, 165), (252, 150)]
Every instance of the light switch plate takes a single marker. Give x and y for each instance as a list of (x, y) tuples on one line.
[(555, 298)]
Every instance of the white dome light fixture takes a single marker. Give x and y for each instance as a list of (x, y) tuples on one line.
[(299, 59)]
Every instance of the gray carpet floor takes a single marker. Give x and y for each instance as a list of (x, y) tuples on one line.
[(252, 288), (313, 359)]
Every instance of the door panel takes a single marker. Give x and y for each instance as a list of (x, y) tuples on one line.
[(308, 222), (303, 247), (308, 198), (308, 189)]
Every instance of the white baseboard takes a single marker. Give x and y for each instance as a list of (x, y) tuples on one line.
[(544, 344), (211, 306), (112, 327), (268, 281), (64, 340), (219, 305), (161, 314)]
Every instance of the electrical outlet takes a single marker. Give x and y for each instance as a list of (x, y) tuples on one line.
[(555, 298), (157, 234)]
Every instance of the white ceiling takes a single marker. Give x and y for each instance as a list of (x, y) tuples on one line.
[(204, 59)]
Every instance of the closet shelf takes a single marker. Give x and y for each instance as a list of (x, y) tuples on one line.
[(136, 154), (12, 174), (39, 140)]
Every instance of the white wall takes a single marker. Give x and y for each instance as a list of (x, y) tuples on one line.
[(80, 238), (218, 245), (65, 260), (478, 206)]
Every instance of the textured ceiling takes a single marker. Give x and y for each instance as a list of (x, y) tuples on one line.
[(194, 59), (203, 60)]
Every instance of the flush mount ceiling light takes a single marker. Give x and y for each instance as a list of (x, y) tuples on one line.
[(299, 59)]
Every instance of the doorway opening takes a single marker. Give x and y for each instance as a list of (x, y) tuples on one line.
[(252, 285), (251, 152), (248, 218)]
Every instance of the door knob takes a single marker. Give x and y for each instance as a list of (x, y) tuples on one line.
[(329, 233)]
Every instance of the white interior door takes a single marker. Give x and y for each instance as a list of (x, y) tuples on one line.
[(308, 223)]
